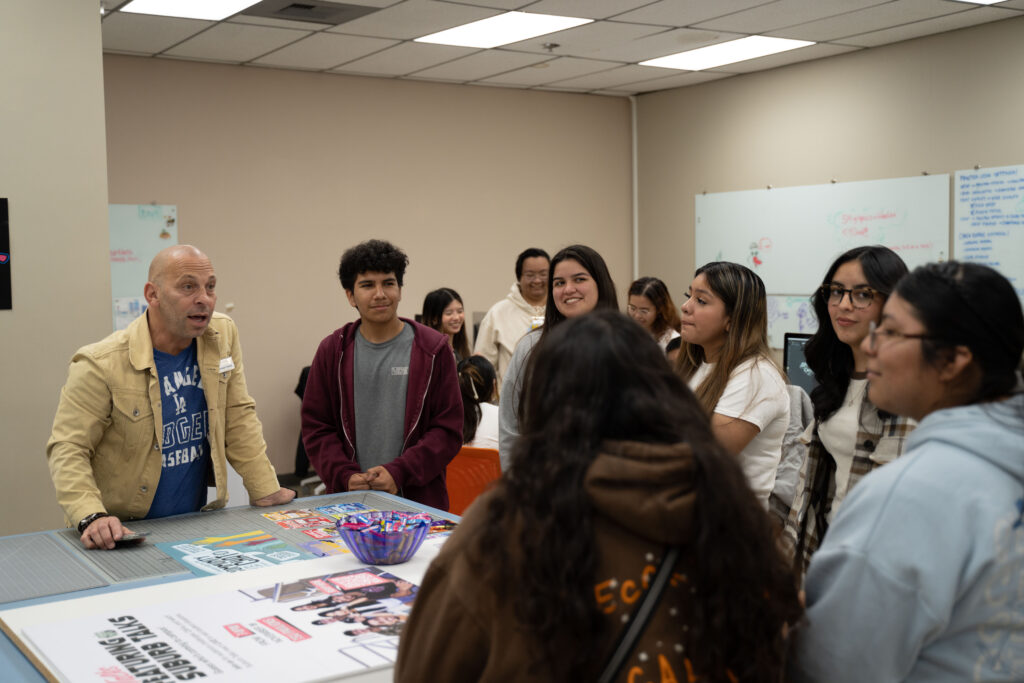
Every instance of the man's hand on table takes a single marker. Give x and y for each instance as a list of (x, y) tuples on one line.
[(103, 532), (279, 497)]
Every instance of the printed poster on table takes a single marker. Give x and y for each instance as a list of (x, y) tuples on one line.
[(334, 624), (230, 554)]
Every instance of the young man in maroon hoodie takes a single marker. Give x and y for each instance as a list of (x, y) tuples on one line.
[(382, 408)]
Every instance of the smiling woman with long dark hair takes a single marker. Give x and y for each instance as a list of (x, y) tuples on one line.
[(616, 463)]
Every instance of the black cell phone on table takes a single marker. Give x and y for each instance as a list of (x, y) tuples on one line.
[(129, 540)]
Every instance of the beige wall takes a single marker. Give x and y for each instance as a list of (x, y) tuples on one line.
[(275, 173), (53, 173), (938, 104)]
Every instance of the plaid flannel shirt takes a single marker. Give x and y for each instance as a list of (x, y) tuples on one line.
[(880, 439)]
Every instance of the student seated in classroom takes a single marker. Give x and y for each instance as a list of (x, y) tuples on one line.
[(578, 283), (615, 479), (920, 575), (726, 362), (850, 436), (152, 411), (382, 409)]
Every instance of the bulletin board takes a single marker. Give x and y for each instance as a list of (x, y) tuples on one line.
[(790, 235)]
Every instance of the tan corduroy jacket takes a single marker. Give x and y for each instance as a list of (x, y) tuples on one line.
[(104, 450)]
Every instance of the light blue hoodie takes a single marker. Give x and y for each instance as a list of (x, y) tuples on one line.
[(921, 577)]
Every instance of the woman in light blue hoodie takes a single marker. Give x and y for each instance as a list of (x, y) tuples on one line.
[(921, 576)]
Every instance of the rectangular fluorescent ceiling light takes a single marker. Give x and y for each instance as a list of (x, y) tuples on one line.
[(726, 53), (503, 29), (212, 10), (981, 2)]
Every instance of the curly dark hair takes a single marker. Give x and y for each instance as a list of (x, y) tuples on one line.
[(371, 256), (830, 359), (602, 377)]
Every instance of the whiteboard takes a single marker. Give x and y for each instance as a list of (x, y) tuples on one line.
[(137, 233), (789, 236), (988, 219)]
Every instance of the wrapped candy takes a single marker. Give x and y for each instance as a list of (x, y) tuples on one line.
[(387, 537)]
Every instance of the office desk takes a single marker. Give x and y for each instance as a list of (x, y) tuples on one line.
[(91, 580)]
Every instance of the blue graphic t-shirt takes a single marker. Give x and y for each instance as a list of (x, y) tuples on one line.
[(186, 452)]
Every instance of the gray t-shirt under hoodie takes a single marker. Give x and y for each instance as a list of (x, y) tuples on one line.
[(380, 386)]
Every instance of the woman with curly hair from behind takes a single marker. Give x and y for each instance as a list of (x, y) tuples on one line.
[(616, 463)]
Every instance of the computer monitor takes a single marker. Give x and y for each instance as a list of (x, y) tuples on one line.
[(794, 362)]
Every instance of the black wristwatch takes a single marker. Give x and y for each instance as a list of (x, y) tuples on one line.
[(89, 519)]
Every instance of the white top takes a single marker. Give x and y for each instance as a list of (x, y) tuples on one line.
[(756, 393), (668, 336), (838, 435), (487, 430)]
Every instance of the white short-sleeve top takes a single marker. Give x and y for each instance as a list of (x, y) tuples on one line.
[(756, 393)]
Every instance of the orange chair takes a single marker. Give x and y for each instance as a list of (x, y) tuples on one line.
[(469, 474)]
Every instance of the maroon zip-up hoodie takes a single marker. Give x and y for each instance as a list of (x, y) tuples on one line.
[(433, 415)]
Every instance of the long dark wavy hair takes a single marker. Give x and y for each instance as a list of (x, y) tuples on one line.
[(598, 269), (830, 359), (602, 377), (433, 310)]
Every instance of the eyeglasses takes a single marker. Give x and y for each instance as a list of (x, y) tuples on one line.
[(860, 297), (631, 309), (876, 333), (531, 275)]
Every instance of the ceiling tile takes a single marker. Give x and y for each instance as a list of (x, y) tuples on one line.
[(869, 19), (679, 81), (323, 51), (587, 40), (802, 54), (277, 23), (950, 22), (783, 13), (413, 19), (483, 64), (548, 72), (405, 58), (605, 80), (494, 4), (235, 42), (147, 33), (1013, 4), (586, 9), (660, 44), (676, 13)]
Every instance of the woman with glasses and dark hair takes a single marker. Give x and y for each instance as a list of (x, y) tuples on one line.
[(850, 436), (578, 283), (616, 464), (921, 576), (651, 305)]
